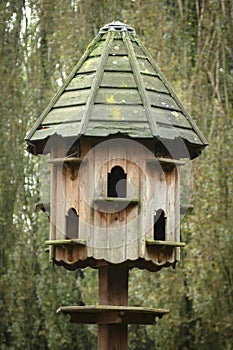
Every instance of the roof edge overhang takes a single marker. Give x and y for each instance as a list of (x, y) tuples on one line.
[(177, 147)]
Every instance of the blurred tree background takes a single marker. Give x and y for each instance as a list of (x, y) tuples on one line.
[(192, 41)]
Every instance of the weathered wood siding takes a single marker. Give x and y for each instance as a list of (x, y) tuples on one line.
[(115, 230)]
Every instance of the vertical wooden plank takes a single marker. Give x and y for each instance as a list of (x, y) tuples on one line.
[(82, 187), (86, 186), (156, 193), (60, 192), (177, 211), (148, 198), (99, 214), (171, 178), (172, 210), (133, 230), (70, 184), (90, 192), (144, 207), (116, 221), (53, 187), (57, 150)]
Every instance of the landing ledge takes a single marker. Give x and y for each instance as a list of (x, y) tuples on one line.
[(165, 243), (105, 314), (66, 242), (120, 200), (165, 162)]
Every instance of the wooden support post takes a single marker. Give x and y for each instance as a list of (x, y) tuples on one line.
[(113, 290)]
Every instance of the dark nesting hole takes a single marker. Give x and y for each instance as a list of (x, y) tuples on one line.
[(161, 150), (73, 150), (159, 225), (117, 182), (72, 224)]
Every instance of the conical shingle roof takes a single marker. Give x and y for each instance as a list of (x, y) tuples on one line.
[(116, 87)]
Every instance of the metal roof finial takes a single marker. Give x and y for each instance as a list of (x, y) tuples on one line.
[(117, 26)]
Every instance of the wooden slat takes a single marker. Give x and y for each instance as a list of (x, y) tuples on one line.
[(172, 118), (173, 203), (154, 83), (73, 98), (145, 66), (118, 63), (61, 115), (134, 158), (170, 132), (53, 197), (191, 136), (87, 187), (57, 217), (117, 219), (118, 48), (90, 65), (138, 50), (63, 129), (97, 128), (117, 112), (162, 100), (61, 197), (99, 224), (97, 49), (118, 96), (118, 79), (81, 81)]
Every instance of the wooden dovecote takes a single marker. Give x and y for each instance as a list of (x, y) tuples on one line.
[(117, 134)]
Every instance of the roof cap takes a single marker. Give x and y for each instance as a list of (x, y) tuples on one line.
[(117, 26)]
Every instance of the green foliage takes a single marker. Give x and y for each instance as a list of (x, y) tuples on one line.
[(40, 41)]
